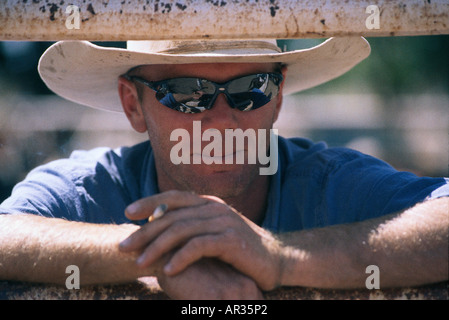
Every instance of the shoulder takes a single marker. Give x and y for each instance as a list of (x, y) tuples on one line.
[(306, 156), (74, 187), (348, 178), (84, 163)]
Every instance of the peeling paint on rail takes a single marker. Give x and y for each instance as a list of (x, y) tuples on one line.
[(195, 19)]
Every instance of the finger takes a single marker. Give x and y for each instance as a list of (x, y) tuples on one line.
[(140, 238), (176, 227), (194, 250), (175, 236), (180, 226), (257, 267), (174, 199)]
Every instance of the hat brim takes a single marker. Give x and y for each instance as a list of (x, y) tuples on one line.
[(87, 74)]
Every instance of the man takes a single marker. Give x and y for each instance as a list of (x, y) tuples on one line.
[(228, 232)]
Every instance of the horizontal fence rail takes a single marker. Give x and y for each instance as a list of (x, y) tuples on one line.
[(120, 20)]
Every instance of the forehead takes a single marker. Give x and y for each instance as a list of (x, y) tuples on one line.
[(218, 72)]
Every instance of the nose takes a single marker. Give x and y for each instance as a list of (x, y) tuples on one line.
[(221, 116)]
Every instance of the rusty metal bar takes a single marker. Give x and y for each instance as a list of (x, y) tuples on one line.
[(147, 288), (118, 20)]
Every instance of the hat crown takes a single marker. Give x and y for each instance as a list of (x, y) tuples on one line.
[(205, 47)]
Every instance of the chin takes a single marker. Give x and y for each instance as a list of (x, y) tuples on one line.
[(223, 181)]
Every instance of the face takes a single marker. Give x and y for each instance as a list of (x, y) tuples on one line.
[(147, 114)]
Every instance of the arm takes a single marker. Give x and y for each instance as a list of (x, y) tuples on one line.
[(410, 248), (38, 249)]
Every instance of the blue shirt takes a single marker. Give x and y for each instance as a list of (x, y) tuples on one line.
[(314, 186)]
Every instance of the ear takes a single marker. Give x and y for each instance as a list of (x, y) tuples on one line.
[(131, 104), (280, 94)]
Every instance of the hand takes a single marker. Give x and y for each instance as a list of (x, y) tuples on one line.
[(195, 227), (209, 279)]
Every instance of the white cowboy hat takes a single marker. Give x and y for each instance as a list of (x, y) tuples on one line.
[(87, 74)]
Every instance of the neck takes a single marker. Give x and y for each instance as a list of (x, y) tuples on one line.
[(252, 204)]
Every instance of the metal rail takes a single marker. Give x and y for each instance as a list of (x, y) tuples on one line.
[(119, 20)]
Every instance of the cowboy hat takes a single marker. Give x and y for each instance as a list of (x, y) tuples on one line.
[(87, 74)]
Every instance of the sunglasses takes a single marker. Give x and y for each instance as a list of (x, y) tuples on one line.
[(195, 95)]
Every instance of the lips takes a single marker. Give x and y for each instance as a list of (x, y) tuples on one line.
[(230, 158)]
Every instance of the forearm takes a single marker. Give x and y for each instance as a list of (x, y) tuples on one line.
[(410, 248), (39, 249)]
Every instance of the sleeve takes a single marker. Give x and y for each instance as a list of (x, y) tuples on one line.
[(48, 191), (86, 187), (442, 191), (360, 187)]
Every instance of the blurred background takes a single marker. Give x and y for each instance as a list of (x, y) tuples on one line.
[(394, 105)]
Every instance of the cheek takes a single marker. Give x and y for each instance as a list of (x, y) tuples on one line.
[(159, 131), (262, 118), (161, 122)]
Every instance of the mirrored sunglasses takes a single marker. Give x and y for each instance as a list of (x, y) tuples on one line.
[(195, 95)]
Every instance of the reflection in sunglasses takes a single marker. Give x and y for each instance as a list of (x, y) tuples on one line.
[(193, 95)]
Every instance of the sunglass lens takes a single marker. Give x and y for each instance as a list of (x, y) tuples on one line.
[(194, 95), (252, 92), (187, 95)]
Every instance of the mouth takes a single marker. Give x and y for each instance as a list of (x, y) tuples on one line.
[(230, 158)]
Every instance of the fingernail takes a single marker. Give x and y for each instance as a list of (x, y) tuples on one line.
[(125, 243), (168, 268), (140, 260), (132, 208)]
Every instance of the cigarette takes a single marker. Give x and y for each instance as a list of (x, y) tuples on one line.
[(158, 212)]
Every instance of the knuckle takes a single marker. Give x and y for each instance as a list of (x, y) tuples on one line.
[(196, 244), (216, 206), (173, 192), (233, 238), (214, 199), (180, 226), (177, 194), (225, 220)]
